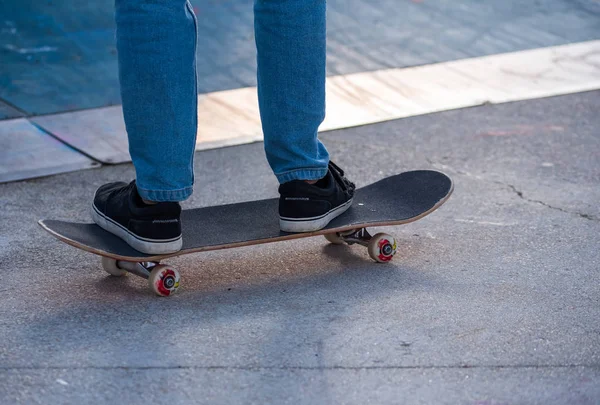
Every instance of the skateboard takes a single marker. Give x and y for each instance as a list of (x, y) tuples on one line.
[(394, 200)]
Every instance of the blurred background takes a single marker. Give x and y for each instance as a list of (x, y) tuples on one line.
[(59, 55)]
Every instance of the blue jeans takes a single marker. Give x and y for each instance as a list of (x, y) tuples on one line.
[(156, 43)]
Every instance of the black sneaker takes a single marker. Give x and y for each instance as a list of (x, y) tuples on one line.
[(307, 207), (151, 229)]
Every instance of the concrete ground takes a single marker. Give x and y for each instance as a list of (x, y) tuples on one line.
[(492, 300)]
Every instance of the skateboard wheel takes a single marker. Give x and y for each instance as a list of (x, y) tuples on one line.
[(110, 266), (382, 247), (334, 238), (164, 280)]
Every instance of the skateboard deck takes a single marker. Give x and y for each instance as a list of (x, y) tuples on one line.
[(394, 200)]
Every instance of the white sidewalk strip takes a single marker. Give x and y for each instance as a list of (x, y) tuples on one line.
[(228, 118), (27, 152), (365, 98), (231, 117)]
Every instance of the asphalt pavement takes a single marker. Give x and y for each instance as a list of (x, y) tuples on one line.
[(494, 299)]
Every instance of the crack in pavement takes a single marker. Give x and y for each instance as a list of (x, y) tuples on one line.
[(514, 189), (522, 196)]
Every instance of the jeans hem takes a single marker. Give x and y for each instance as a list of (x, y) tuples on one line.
[(165, 195), (301, 174)]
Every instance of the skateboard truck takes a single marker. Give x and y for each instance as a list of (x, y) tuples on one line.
[(381, 246), (142, 269), (360, 236), (163, 279)]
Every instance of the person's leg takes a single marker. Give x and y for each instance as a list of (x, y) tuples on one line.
[(291, 45), (156, 44), (291, 41)]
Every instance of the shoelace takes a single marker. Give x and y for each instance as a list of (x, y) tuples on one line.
[(338, 174)]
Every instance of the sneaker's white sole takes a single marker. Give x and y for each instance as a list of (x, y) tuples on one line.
[(144, 245), (314, 223)]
